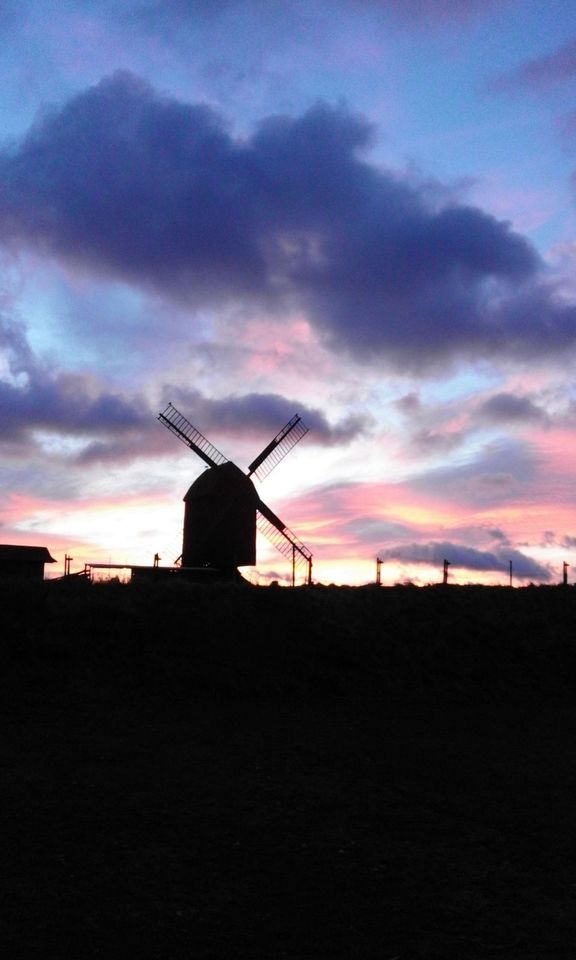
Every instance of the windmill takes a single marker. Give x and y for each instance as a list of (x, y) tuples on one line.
[(223, 509)]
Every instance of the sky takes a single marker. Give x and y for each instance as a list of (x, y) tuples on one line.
[(358, 211)]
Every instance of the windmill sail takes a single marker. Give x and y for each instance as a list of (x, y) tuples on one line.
[(223, 509), (278, 448), (281, 537), (183, 429)]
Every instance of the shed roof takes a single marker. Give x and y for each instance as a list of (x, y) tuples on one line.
[(16, 554)]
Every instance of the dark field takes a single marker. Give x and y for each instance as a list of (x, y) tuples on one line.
[(240, 773)]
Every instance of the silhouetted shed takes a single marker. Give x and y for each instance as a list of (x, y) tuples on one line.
[(23, 563)]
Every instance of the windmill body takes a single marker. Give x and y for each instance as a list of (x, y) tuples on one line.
[(223, 509), (220, 520)]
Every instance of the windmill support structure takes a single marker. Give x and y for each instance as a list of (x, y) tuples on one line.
[(281, 537)]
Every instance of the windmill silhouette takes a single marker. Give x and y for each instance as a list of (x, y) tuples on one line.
[(223, 509)]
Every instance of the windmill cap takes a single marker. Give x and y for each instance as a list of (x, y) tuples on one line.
[(226, 480)]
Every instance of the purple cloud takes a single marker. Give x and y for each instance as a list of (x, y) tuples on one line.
[(409, 404), (33, 397), (497, 534), (263, 414), (500, 473), (468, 558), (540, 72), (157, 13), (432, 12), (509, 408), (126, 182), (429, 441)]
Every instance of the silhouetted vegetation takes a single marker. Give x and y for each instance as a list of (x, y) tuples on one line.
[(333, 772), (237, 642)]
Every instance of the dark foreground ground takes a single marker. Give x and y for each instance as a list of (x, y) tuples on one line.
[(288, 774)]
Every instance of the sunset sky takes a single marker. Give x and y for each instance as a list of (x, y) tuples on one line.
[(360, 211)]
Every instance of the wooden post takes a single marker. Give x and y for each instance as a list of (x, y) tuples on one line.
[(445, 574)]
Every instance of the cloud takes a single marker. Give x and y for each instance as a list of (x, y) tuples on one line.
[(122, 180), (368, 529), (435, 552), (510, 408), (68, 403), (262, 414), (127, 182), (429, 441), (110, 427), (409, 403), (496, 534), (539, 73), (157, 14), (500, 472), (434, 13), (432, 429), (34, 397)]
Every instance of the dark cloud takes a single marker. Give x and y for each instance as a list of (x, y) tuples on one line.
[(409, 404), (496, 534), (428, 441), (468, 558), (136, 445), (34, 397), (127, 182), (540, 72), (66, 404), (510, 408), (262, 414)]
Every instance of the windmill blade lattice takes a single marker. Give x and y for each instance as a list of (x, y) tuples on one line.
[(281, 537), (278, 448), (183, 429)]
